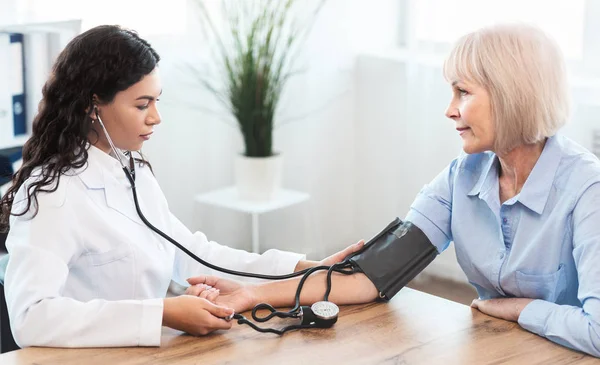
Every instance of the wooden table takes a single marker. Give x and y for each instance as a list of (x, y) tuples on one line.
[(414, 328)]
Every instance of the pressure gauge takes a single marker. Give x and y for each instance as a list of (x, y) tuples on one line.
[(325, 310)]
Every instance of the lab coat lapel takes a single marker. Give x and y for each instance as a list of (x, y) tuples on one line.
[(119, 197), (104, 172)]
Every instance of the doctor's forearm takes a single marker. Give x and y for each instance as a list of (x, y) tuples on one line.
[(346, 289), (305, 264)]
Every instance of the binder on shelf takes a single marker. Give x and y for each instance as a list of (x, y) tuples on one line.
[(6, 114), (17, 72), (28, 48)]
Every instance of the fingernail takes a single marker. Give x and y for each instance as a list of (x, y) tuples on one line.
[(474, 303)]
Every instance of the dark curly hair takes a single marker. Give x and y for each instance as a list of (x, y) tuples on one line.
[(102, 61)]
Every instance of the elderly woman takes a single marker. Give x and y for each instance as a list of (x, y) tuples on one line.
[(522, 204)]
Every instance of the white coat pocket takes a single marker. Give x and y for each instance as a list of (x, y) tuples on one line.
[(116, 266), (103, 258)]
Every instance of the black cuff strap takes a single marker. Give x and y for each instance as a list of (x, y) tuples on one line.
[(394, 257)]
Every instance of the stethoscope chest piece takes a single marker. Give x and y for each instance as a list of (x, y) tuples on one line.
[(321, 314)]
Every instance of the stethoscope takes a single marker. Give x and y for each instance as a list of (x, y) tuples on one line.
[(322, 314)]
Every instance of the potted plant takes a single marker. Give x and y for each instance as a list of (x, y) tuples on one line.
[(256, 42)]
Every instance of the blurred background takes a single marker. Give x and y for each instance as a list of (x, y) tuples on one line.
[(361, 127)]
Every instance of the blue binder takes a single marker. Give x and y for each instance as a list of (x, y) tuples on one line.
[(17, 65), (6, 114)]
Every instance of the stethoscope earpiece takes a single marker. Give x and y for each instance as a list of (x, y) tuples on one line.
[(97, 114)]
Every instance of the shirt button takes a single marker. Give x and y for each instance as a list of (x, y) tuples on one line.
[(501, 256), (504, 220)]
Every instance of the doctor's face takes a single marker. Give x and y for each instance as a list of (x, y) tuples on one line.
[(131, 116), (471, 111)]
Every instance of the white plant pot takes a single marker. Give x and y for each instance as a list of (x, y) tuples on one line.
[(258, 178)]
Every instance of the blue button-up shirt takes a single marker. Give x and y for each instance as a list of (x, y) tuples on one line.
[(543, 243)]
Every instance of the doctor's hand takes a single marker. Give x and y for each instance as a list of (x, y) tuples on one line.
[(196, 316), (333, 259), (232, 294)]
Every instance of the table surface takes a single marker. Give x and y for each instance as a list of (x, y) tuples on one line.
[(228, 198), (413, 328)]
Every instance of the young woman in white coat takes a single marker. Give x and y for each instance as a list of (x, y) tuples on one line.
[(84, 270)]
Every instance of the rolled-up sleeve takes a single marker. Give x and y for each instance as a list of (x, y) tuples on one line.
[(432, 209)]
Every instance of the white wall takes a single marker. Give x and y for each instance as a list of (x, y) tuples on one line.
[(371, 134), (193, 150), (405, 142), (361, 131)]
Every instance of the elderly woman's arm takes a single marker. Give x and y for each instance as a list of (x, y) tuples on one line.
[(346, 289), (575, 327)]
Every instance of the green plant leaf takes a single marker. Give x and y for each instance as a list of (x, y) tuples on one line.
[(256, 49)]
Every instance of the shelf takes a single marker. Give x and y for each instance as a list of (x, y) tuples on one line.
[(59, 26), (228, 198), (44, 39), (15, 142)]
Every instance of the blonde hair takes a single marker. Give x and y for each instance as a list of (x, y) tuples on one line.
[(524, 72)]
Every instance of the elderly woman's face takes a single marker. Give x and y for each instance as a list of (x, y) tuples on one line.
[(470, 110)]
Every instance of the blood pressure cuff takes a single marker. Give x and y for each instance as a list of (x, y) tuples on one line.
[(394, 257)]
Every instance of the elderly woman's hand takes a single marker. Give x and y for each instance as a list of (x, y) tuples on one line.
[(224, 292), (203, 291), (333, 259), (504, 308)]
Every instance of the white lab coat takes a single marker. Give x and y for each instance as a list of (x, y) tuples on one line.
[(86, 271)]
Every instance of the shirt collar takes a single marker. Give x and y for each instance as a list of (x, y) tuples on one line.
[(536, 189), (485, 177)]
